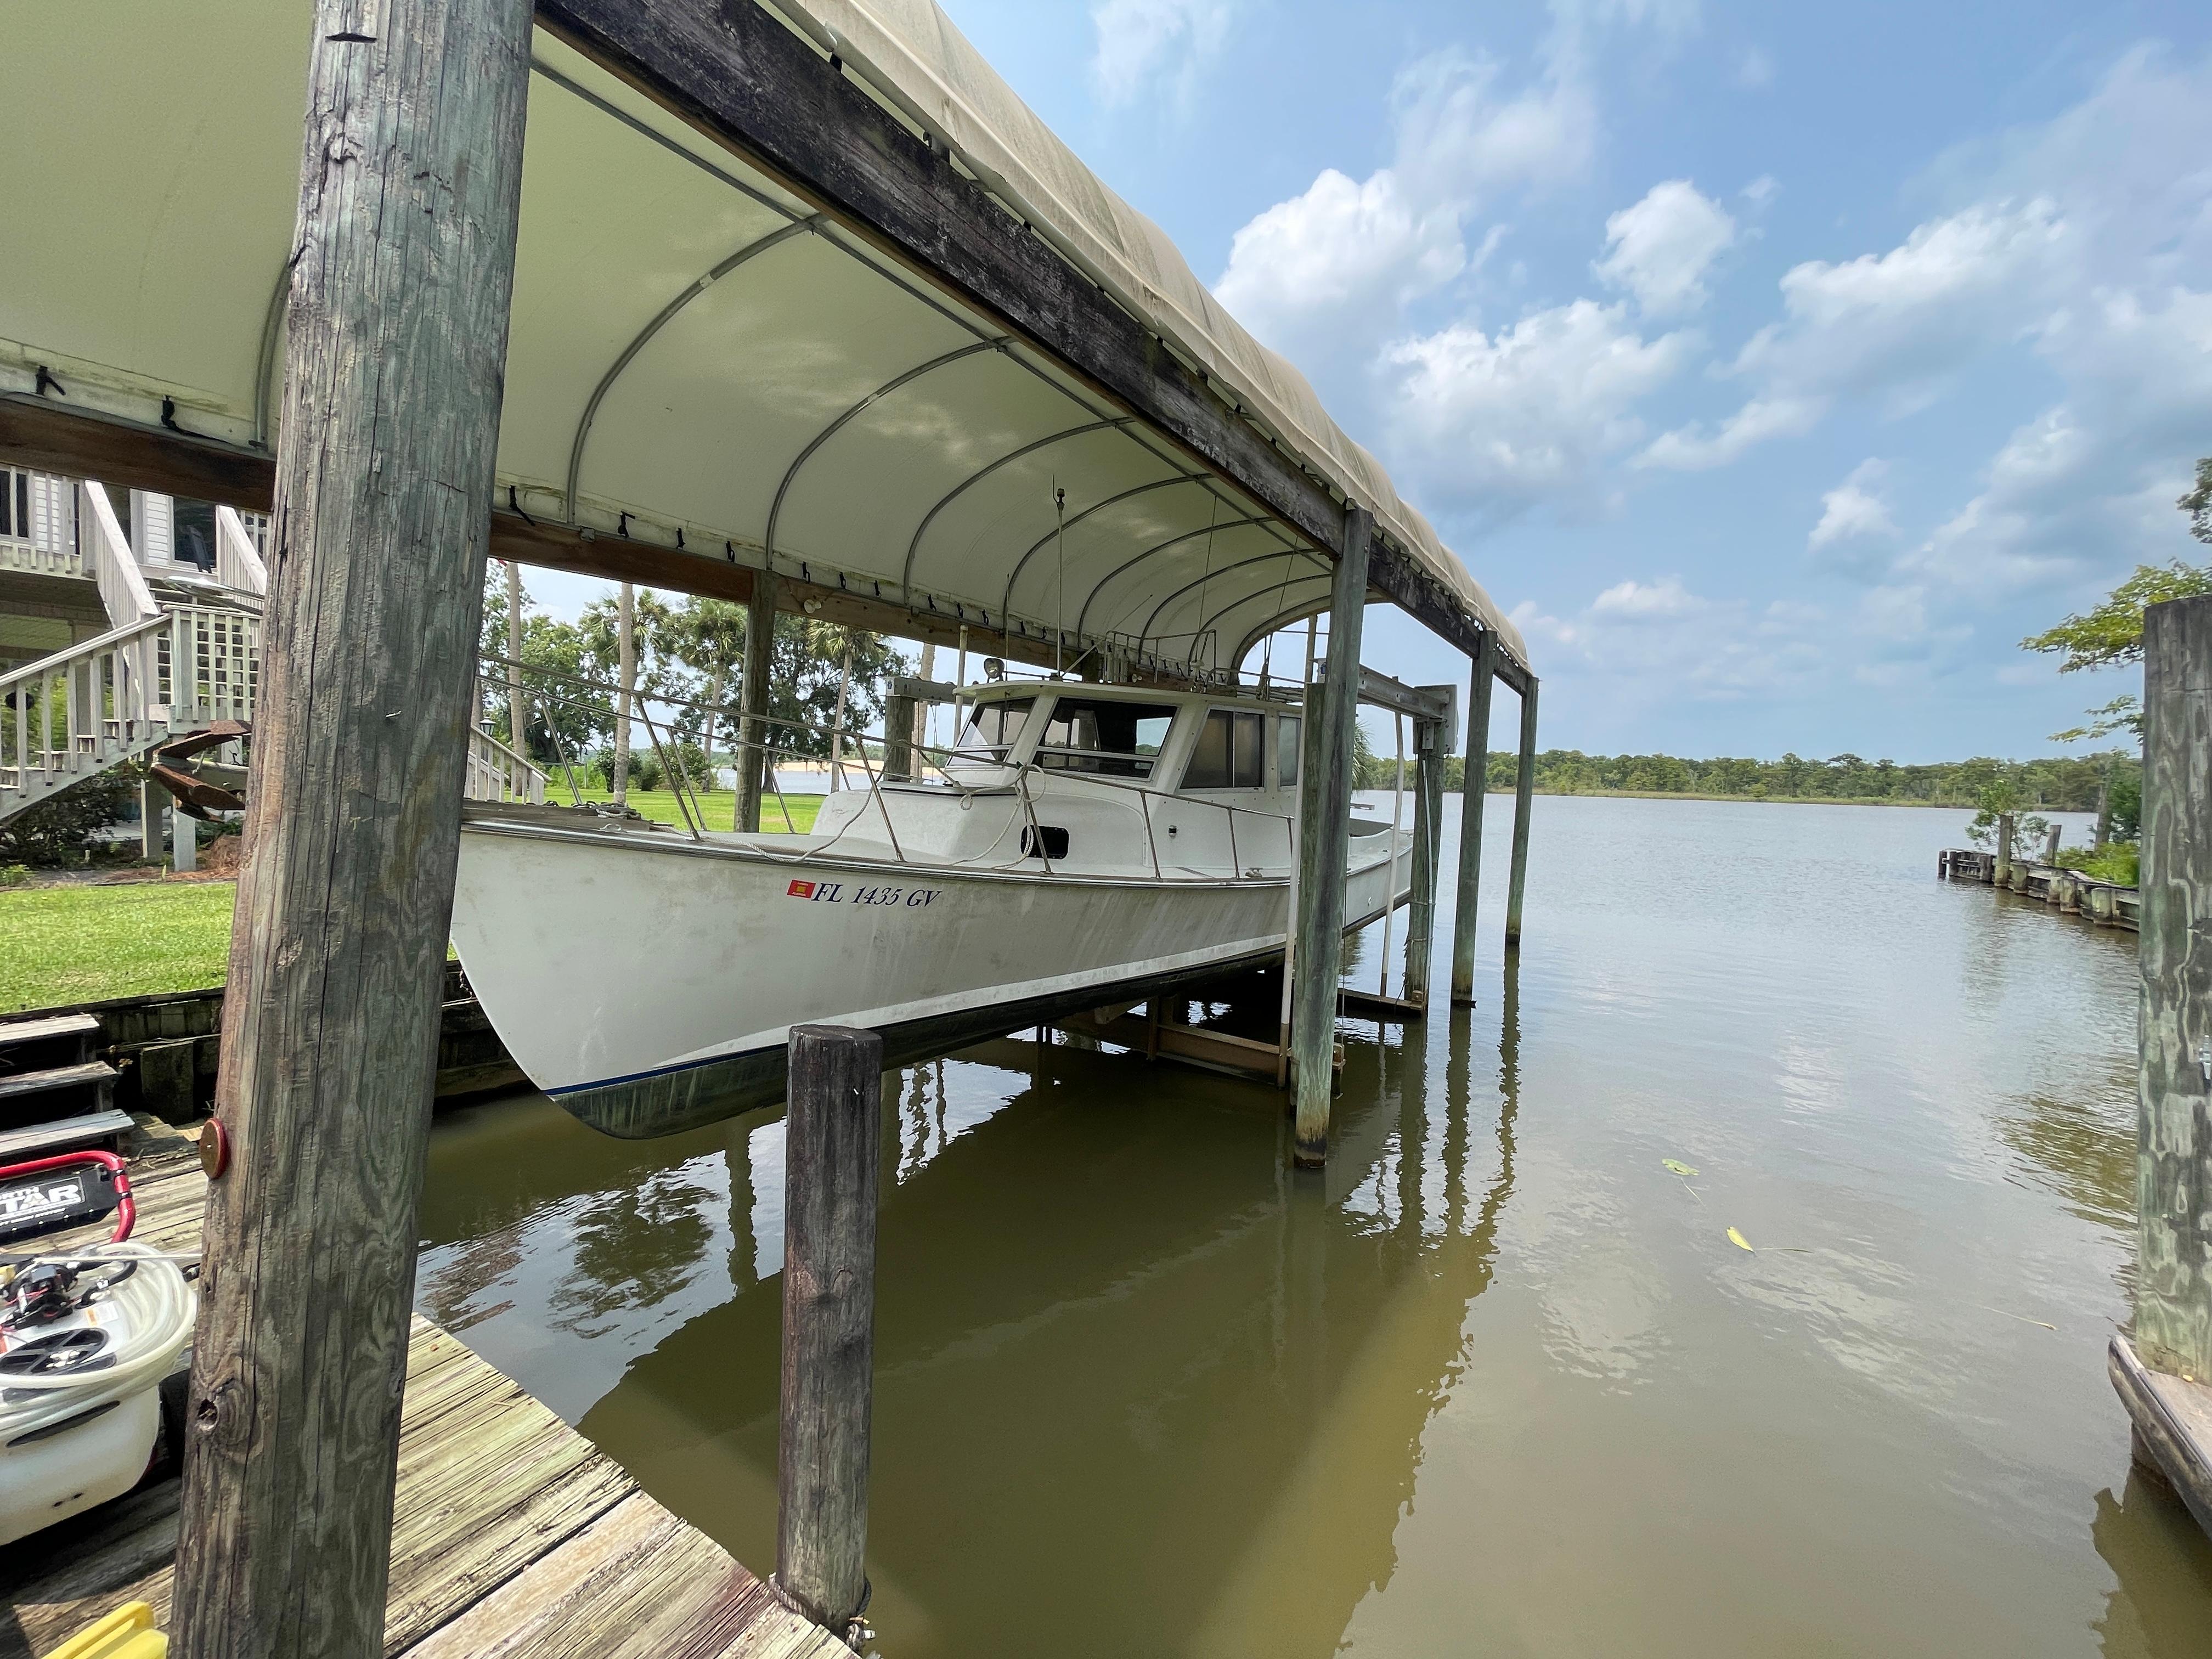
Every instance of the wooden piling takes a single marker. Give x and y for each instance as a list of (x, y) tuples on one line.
[(403, 266), (832, 1150), (518, 728), (754, 763), (1428, 814), (2173, 1273), (152, 799), (1324, 842), (2050, 846), (1524, 794), (1473, 785), (2002, 876), (626, 683), (902, 716)]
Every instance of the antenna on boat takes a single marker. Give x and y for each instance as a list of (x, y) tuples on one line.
[(1059, 599)]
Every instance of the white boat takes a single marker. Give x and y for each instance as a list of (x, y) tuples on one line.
[(1081, 844)]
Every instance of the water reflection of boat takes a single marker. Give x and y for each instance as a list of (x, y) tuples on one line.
[(1081, 844)]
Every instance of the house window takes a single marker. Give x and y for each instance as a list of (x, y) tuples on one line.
[(15, 503), (191, 529), (1228, 756), (1104, 735)]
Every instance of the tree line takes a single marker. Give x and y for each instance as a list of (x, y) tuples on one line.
[(2065, 783), (686, 647)]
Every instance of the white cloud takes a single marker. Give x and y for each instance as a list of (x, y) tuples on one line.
[(1494, 421), (1140, 42), (1692, 449), (1329, 271), (1853, 510), (1662, 639), (1646, 601), (1754, 69), (1660, 249), (1762, 190)]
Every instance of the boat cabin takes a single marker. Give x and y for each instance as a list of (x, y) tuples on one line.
[(1080, 779)]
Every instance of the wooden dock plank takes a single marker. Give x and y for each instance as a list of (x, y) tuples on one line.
[(512, 1535)]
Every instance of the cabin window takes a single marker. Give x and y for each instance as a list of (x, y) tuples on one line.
[(993, 730), (1287, 750), (1104, 735), (1228, 752)]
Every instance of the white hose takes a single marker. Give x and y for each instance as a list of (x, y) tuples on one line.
[(157, 1309)]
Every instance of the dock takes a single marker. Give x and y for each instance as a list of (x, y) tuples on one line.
[(2107, 903), (512, 1536), (166, 1047)]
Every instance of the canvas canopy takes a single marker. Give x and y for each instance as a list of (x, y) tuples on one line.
[(699, 356)]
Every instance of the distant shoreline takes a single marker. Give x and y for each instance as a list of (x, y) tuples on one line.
[(1750, 800)]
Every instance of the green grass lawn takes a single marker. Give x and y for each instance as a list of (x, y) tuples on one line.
[(659, 806), (65, 944), (87, 943)]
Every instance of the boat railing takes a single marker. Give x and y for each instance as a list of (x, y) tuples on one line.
[(549, 694)]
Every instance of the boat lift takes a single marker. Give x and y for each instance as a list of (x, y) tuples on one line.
[(797, 306)]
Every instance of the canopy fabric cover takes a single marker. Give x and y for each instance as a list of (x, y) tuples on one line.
[(697, 357)]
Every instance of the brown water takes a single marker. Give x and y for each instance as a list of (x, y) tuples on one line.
[(1499, 1383)]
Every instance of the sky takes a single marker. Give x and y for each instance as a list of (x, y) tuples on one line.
[(1775, 368)]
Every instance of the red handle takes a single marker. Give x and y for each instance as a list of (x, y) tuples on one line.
[(126, 1212)]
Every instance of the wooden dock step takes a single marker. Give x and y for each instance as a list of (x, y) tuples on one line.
[(46, 1027), (66, 1134), (86, 1073)]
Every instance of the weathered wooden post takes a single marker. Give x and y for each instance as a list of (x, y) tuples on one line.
[(902, 716), (2050, 846), (832, 1153), (2003, 875), (754, 761), (1524, 794), (152, 799), (1473, 785), (518, 729), (1324, 841), (2162, 1375), (1429, 744), (395, 350)]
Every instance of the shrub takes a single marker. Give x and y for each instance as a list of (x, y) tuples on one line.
[(63, 829), (15, 875), (2119, 861)]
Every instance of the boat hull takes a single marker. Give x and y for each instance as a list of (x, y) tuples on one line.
[(649, 983)]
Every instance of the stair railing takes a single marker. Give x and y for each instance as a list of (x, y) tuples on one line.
[(238, 563), (65, 716), (121, 586), (496, 772), (205, 664)]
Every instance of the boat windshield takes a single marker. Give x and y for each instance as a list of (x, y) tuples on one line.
[(1104, 735), (993, 729)]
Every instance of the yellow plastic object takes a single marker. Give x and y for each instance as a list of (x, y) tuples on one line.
[(126, 1633)]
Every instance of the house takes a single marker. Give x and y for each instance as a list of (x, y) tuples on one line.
[(129, 625)]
